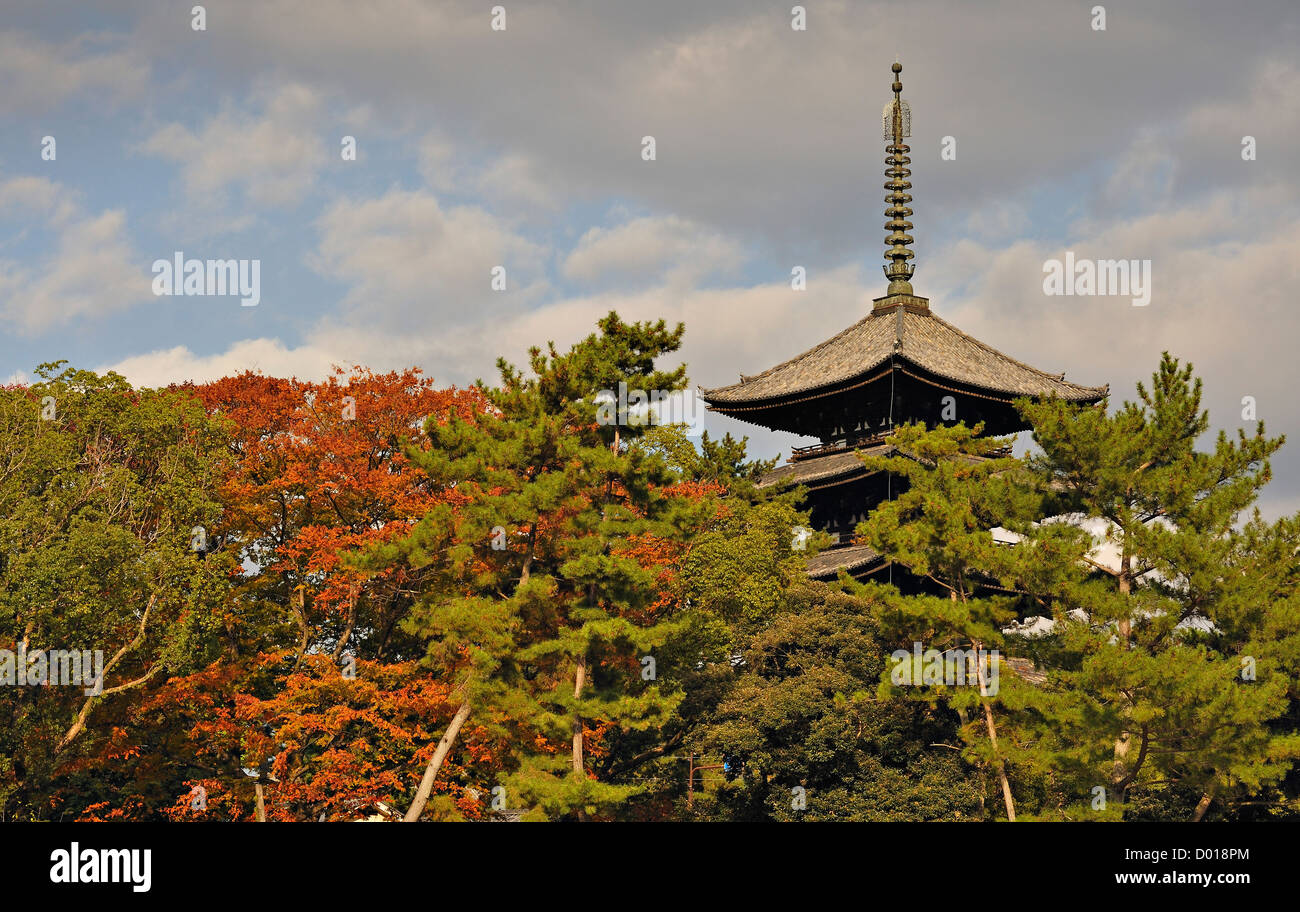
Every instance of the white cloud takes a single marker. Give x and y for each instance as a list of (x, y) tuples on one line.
[(997, 221), (40, 75), (438, 164), (1143, 175), (1265, 109), (24, 195), (270, 356), (768, 148), (514, 180), (418, 295), (410, 261), (728, 330), (507, 183), (650, 248), (271, 160), (1223, 272), (91, 271)]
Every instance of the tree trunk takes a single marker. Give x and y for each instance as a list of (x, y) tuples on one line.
[(1204, 804), (964, 718), (579, 680), (527, 569), (993, 738), (1002, 767), (298, 599), (435, 763), (261, 805), (1119, 769), (347, 629), (79, 724), (580, 672), (978, 647)]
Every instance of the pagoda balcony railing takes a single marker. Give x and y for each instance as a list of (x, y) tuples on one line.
[(861, 441), (837, 446)]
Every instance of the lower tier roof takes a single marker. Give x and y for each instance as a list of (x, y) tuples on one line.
[(853, 558), (822, 469)]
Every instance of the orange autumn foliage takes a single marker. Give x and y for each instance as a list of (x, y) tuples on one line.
[(320, 473)]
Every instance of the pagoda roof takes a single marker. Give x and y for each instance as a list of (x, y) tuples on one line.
[(904, 330), (846, 463), (828, 564), (823, 468)]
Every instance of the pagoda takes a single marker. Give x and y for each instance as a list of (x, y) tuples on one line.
[(899, 364)]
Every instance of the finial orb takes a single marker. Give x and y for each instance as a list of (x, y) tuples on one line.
[(897, 68)]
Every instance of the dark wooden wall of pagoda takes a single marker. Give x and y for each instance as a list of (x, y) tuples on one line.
[(838, 508), (866, 410)]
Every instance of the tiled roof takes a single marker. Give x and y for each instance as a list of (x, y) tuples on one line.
[(1026, 669), (844, 463), (828, 564), (823, 468), (915, 335)]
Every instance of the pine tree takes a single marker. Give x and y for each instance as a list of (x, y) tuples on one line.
[(536, 600), (1175, 631), (959, 486)]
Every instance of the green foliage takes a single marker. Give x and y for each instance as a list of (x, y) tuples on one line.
[(958, 488), (802, 714), (101, 487), (538, 602), (722, 461), (613, 602), (1156, 619)]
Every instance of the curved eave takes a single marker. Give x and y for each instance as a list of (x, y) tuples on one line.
[(913, 340), (1086, 395), (855, 559), (816, 484), (825, 471), (820, 392)]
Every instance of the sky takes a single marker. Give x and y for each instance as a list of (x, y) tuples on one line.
[(522, 147)]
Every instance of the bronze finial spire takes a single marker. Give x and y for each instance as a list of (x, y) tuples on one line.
[(896, 123)]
